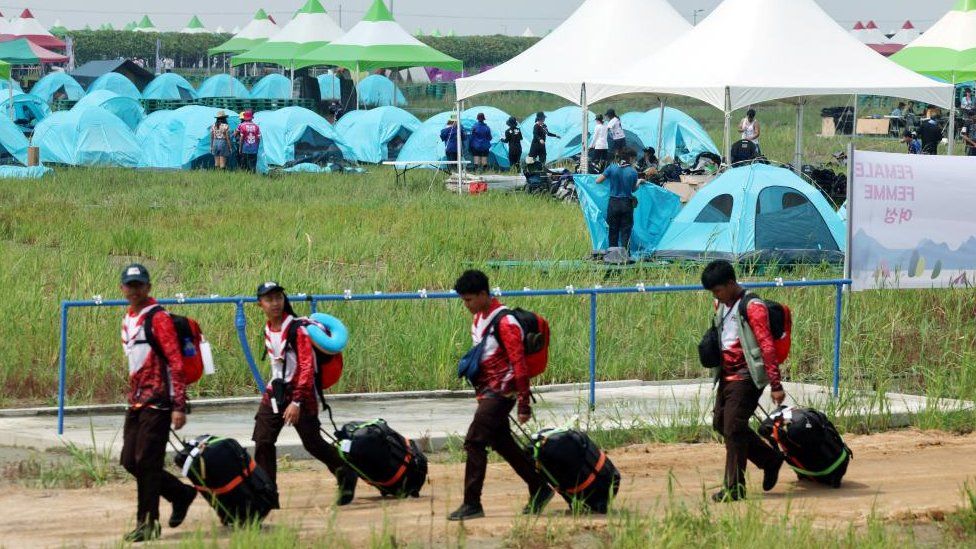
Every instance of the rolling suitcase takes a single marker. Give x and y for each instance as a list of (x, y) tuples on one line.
[(383, 458), (576, 467), (228, 478), (809, 442)]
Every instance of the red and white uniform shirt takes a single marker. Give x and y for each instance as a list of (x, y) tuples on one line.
[(153, 380), (502, 371), (733, 356), (295, 366)]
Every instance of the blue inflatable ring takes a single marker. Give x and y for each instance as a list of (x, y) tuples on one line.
[(334, 341)]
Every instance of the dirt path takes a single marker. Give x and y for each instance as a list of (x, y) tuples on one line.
[(897, 475)]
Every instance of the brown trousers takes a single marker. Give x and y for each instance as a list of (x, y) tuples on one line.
[(144, 439), (490, 428), (267, 426), (735, 403)]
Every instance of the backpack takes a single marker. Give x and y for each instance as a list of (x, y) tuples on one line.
[(190, 338), (328, 367), (535, 338), (780, 323)]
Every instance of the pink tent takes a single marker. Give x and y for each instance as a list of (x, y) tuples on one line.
[(26, 26)]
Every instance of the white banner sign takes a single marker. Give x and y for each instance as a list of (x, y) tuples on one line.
[(911, 221)]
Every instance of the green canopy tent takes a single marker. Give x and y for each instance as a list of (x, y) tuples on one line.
[(195, 26), (255, 33), (5, 71), (310, 29), (130, 26), (146, 25), (24, 52)]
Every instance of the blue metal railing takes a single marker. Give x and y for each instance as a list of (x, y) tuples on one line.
[(240, 322)]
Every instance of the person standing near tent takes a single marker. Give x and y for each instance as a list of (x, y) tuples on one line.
[(620, 212), (480, 143), (615, 131), (967, 104), (911, 141), (513, 138), (450, 135), (540, 132), (220, 140), (248, 136), (968, 134), (750, 129), (501, 384), (599, 144), (749, 364), (157, 399), (290, 397), (930, 131)]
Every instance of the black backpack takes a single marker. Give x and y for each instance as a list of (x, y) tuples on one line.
[(383, 458)]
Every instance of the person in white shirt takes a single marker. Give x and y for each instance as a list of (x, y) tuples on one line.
[(967, 103), (599, 144), (750, 128), (616, 133)]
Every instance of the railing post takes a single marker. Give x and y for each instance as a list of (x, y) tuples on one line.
[(838, 312), (592, 350), (62, 367), (313, 306), (240, 322)]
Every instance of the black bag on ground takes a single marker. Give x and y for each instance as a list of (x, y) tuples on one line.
[(576, 467), (383, 457), (810, 443), (224, 473)]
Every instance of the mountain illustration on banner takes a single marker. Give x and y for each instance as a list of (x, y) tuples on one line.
[(913, 262)]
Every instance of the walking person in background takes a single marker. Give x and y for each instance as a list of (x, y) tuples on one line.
[(450, 135), (599, 144), (615, 130), (220, 140), (540, 132), (157, 399), (248, 136), (749, 126), (749, 364), (620, 212), (480, 143), (501, 383), (513, 138)]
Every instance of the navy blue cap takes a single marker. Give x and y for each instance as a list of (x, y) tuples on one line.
[(267, 287), (134, 273)]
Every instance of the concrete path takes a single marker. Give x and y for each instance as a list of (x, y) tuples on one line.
[(435, 417)]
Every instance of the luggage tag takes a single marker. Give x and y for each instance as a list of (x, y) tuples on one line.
[(345, 446)]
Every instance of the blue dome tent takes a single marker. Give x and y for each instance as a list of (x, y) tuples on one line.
[(272, 86), (59, 84), (7, 84), (377, 90), (426, 144), (170, 87), (87, 137), (329, 87), (377, 135), (180, 139), (115, 82), (223, 85), (28, 110), (756, 212), (567, 123), (127, 109), (684, 138), (13, 143), (295, 135)]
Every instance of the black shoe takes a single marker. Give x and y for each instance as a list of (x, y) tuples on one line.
[(725, 495), (180, 507), (771, 475), (538, 501), (467, 512), (347, 485), (144, 532)]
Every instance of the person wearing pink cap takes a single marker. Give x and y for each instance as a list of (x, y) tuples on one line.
[(248, 136)]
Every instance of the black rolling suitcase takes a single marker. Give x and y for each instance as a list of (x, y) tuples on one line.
[(576, 467), (810, 444), (383, 458), (229, 479)]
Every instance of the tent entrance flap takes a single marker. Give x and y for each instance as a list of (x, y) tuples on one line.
[(314, 148)]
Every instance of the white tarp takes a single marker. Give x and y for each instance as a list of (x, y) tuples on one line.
[(764, 50), (906, 35), (599, 36), (911, 221), (872, 35)]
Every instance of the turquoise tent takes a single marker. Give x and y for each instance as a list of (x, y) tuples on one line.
[(272, 86), (28, 110), (223, 85), (683, 137), (115, 82), (13, 144), (179, 139), (295, 135), (425, 143), (656, 208), (58, 84), (756, 212), (377, 90), (127, 109), (170, 87), (377, 135), (6, 84), (329, 87), (567, 123), (87, 137)]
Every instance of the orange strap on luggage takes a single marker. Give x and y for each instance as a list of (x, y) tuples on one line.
[(230, 485), (400, 472), (589, 480)]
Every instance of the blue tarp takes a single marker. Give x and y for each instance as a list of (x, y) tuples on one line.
[(127, 109), (179, 139), (377, 135), (13, 143), (567, 123), (684, 138), (23, 172), (656, 208), (170, 87), (57, 83), (6, 84), (377, 91), (273, 86), (425, 143), (297, 135), (29, 110), (756, 211), (115, 82), (87, 137), (329, 87), (223, 85)]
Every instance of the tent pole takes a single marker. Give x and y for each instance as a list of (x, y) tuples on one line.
[(660, 130), (727, 144), (798, 155), (854, 127), (952, 117), (292, 77), (585, 153), (357, 85), (459, 128)]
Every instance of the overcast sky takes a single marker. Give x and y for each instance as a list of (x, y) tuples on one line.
[(461, 16)]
